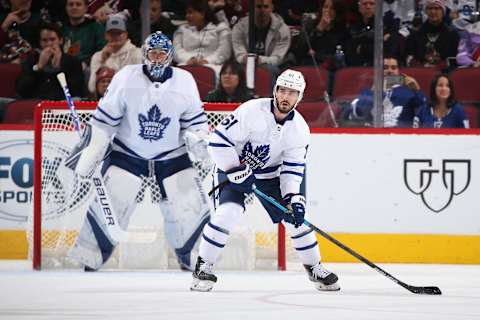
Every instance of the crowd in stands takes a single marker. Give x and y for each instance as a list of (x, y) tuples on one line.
[(90, 40)]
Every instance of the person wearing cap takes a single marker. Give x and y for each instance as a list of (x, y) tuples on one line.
[(103, 77), (117, 53), (435, 41)]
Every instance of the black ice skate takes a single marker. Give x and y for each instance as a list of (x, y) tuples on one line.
[(203, 278), (323, 279)]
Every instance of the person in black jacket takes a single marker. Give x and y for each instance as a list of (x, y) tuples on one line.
[(231, 86), (39, 71)]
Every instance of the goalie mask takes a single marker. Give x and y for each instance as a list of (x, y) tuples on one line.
[(290, 79), (157, 54)]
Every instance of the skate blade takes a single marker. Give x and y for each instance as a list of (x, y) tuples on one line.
[(323, 287), (201, 285)]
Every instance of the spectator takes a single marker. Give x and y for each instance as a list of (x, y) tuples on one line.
[(321, 37), (292, 10), (434, 42), (272, 37), (38, 77), (360, 45), (228, 11), (22, 19), (203, 41), (103, 77), (117, 53), (83, 36), (469, 47), (442, 111), (461, 12), (402, 98), (158, 22), (232, 86)]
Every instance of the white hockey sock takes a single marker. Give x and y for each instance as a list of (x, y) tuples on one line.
[(305, 243), (216, 232)]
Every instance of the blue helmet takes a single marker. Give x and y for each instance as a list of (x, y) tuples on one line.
[(157, 41)]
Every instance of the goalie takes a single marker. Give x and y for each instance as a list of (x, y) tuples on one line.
[(150, 114)]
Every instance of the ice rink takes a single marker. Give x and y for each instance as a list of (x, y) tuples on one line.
[(262, 295)]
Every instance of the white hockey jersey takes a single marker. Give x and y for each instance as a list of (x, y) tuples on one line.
[(148, 118), (251, 134)]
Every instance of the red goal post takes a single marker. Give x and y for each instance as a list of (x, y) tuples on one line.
[(57, 215)]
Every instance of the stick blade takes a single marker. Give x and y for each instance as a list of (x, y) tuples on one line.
[(425, 290)]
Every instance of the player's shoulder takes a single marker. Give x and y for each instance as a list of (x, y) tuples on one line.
[(127, 72), (182, 74), (256, 111), (300, 122)]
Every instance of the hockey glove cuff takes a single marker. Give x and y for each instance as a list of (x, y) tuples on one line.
[(241, 178), (296, 205)]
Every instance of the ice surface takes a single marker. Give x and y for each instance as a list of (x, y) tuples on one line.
[(263, 295)]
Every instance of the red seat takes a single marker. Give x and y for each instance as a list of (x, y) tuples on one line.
[(10, 73), (349, 82), (472, 113), (466, 84), (263, 82), (317, 82), (318, 115), (423, 76), (20, 111), (204, 77)]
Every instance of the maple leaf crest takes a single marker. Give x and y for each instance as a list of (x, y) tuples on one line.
[(152, 126), (256, 158)]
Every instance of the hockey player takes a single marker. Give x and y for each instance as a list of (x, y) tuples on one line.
[(264, 141), (148, 116)]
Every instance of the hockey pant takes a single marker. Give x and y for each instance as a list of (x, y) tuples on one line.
[(183, 205), (229, 211)]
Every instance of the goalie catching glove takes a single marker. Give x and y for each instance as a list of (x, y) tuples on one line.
[(196, 143), (89, 151), (296, 207), (241, 178)]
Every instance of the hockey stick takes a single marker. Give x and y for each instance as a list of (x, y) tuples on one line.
[(109, 215), (414, 289), (330, 109)]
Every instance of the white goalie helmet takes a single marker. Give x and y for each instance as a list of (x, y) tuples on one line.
[(293, 80)]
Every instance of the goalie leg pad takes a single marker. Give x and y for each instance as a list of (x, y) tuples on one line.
[(94, 245), (217, 231), (305, 243)]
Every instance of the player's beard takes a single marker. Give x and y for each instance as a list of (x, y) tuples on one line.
[(284, 107)]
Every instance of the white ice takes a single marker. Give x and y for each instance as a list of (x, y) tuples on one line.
[(262, 295)]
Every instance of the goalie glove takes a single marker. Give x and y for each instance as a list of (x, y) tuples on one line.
[(196, 143), (296, 206), (241, 178)]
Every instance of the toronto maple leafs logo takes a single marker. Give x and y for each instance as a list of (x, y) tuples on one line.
[(152, 126), (256, 158)]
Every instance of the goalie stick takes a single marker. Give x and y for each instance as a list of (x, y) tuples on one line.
[(414, 289), (109, 215)]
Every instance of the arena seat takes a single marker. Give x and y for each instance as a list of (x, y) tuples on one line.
[(263, 82), (20, 111), (423, 76), (350, 81), (317, 82), (10, 73), (466, 84), (204, 77), (317, 114)]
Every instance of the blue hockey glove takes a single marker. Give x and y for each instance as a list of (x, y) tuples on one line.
[(241, 178), (296, 206)]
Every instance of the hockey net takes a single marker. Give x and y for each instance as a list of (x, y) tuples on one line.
[(61, 201)]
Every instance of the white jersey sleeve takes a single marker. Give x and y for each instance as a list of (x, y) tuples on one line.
[(294, 157)]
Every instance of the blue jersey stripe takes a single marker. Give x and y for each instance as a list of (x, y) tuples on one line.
[(221, 135), (292, 172), (219, 145), (214, 227), (194, 117), (109, 116), (294, 164), (307, 247), (103, 121)]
